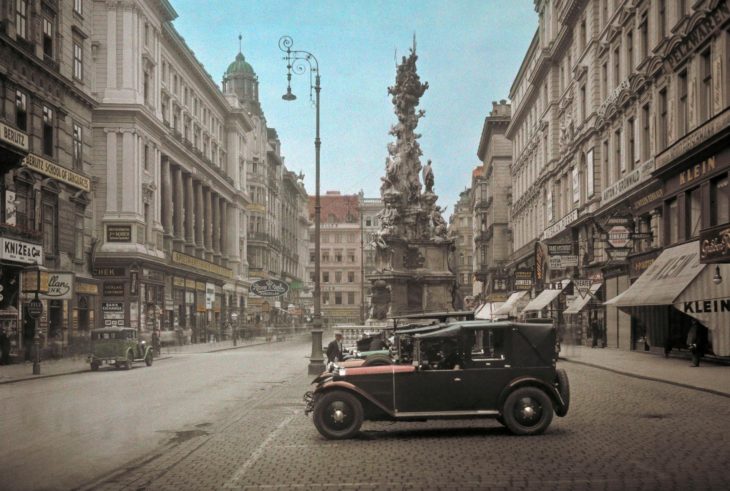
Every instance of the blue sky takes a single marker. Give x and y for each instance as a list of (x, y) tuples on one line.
[(469, 52)]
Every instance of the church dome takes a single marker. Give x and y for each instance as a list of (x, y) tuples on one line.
[(240, 67)]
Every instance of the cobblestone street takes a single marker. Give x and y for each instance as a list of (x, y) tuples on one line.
[(621, 433)]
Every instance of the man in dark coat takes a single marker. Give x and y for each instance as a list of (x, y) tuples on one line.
[(334, 349)]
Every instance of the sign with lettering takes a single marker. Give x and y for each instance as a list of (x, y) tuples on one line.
[(35, 308), (583, 286), (119, 233), (523, 279), (560, 249), (618, 254), (112, 313), (560, 225), (60, 286), (108, 272), (209, 295), (197, 263), (539, 265), (13, 137), (715, 245), (113, 289), (10, 209), (87, 288), (619, 236), (699, 135), (628, 182), (48, 168), (269, 288), (640, 263), (20, 251)]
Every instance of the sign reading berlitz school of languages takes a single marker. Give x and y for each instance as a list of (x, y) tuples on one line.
[(269, 288), (48, 168)]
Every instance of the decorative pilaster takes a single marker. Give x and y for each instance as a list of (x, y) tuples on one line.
[(179, 213), (189, 214), (216, 238), (166, 205), (208, 223), (223, 230), (199, 215)]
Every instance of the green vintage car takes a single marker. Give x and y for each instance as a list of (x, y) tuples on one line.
[(119, 347)]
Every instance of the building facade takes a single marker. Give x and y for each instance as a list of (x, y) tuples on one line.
[(461, 229), (46, 104), (492, 195)]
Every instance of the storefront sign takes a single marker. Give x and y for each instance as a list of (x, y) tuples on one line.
[(715, 244), (60, 286), (180, 282), (269, 288), (561, 262), (560, 225), (523, 280), (702, 29), (13, 137), (540, 261), (209, 295), (560, 249), (108, 272), (639, 264), (197, 263), (583, 286), (618, 254), (113, 289), (112, 313), (648, 200), (119, 233), (695, 138), (697, 171), (20, 251), (619, 236), (48, 168), (706, 306), (630, 181), (87, 288)]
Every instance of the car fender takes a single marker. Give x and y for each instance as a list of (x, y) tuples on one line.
[(550, 389), (347, 386)]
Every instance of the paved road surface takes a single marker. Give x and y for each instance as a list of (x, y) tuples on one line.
[(621, 433)]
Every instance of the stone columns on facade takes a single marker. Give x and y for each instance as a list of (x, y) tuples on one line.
[(189, 215), (179, 208), (208, 223), (224, 230), (215, 220), (166, 202), (232, 240), (199, 218)]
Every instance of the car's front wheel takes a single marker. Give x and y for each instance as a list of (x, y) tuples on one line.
[(527, 411), (338, 415)]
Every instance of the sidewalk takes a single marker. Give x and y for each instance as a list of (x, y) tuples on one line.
[(64, 366), (709, 377)]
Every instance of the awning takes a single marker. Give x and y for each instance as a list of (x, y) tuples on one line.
[(579, 302), (666, 278), (487, 310), (543, 299), (709, 303), (510, 306)]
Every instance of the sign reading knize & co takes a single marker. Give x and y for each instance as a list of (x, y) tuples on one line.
[(20, 251)]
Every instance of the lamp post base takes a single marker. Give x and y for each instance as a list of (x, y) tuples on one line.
[(316, 361)]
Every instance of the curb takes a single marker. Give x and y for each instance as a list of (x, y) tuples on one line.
[(651, 379)]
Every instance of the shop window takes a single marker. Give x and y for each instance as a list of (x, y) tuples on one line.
[(719, 201), (693, 206), (48, 131), (672, 221), (21, 110)]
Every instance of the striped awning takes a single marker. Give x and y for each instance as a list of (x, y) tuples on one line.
[(511, 305), (543, 299)]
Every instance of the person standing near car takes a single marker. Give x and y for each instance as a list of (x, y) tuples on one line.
[(696, 341), (334, 349)]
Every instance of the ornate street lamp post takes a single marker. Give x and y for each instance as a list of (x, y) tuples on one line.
[(297, 62), (35, 280)]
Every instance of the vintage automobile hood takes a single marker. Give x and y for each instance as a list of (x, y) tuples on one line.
[(375, 370)]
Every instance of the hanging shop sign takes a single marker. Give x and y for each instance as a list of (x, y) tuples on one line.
[(209, 295), (715, 244), (540, 264), (48, 168), (13, 137), (60, 286), (269, 288), (119, 233), (561, 249), (523, 279), (113, 289), (619, 236), (20, 251), (618, 253), (561, 262), (583, 286), (133, 282)]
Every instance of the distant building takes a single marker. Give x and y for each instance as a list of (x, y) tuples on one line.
[(461, 229)]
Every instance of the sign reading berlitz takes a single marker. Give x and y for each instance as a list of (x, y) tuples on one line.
[(13, 137)]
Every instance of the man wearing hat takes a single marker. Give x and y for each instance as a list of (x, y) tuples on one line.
[(334, 349)]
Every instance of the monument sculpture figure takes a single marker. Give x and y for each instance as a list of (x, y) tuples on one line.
[(411, 245)]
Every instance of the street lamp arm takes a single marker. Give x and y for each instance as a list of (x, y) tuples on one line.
[(300, 62)]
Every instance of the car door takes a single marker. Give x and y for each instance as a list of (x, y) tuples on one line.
[(430, 391)]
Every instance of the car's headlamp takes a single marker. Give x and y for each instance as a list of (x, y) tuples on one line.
[(341, 371)]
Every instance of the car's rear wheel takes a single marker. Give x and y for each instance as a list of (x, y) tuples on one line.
[(94, 366), (148, 359), (338, 415), (377, 360), (564, 390), (527, 411), (130, 361)]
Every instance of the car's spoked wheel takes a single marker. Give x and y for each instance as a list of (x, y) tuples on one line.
[(527, 411), (338, 415)]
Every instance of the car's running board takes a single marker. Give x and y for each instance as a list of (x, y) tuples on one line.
[(445, 414)]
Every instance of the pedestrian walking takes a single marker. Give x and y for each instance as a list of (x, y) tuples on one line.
[(334, 349), (595, 333), (696, 342), (4, 347), (156, 343)]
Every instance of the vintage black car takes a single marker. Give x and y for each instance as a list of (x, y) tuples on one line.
[(463, 369)]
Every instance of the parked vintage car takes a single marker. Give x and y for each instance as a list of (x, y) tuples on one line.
[(118, 346), (464, 369)]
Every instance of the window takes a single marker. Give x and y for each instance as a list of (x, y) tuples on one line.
[(48, 131), (325, 298), (644, 34), (338, 298), (325, 276), (662, 126), (78, 61), (21, 110), (351, 298), (79, 7), (311, 276), (146, 156), (338, 256), (351, 277), (146, 34), (368, 222), (21, 18), (79, 234), (47, 37), (350, 256), (583, 107), (49, 220), (618, 163), (25, 208), (683, 110), (662, 20), (630, 51), (632, 143), (146, 87), (706, 87), (693, 205), (78, 146), (672, 221), (645, 132), (719, 201), (616, 67), (604, 80), (338, 276)]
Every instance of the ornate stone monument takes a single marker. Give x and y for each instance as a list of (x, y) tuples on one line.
[(413, 270)]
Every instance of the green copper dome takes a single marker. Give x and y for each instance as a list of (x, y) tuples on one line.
[(240, 66)]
